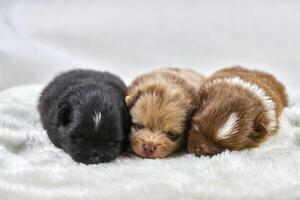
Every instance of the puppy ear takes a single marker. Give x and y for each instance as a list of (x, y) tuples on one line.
[(260, 130), (191, 111), (202, 97), (64, 114), (258, 133), (129, 100), (132, 98)]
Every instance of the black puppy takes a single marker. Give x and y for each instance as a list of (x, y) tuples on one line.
[(84, 113)]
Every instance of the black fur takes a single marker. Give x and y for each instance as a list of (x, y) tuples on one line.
[(67, 107)]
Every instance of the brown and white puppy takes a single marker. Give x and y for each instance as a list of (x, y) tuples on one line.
[(238, 109), (161, 104)]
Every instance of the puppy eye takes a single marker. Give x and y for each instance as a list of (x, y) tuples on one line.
[(173, 136), (137, 126), (112, 143)]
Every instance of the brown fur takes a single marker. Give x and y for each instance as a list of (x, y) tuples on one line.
[(219, 101), (161, 104)]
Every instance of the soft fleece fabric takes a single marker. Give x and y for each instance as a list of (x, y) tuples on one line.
[(32, 168)]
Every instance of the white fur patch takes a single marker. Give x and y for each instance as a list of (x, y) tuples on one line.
[(97, 120), (229, 128), (195, 127), (255, 90)]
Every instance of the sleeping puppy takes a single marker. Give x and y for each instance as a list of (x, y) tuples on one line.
[(238, 109), (161, 104), (85, 114)]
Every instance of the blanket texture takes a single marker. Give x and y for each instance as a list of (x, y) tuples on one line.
[(32, 168)]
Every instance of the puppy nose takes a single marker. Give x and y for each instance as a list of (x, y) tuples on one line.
[(149, 149), (203, 150), (99, 158), (199, 153), (94, 158)]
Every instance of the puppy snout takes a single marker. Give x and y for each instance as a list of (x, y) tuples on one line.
[(149, 149), (203, 150), (199, 153), (95, 157)]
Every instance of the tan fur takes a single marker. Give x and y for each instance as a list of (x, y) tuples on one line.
[(161, 104), (218, 102)]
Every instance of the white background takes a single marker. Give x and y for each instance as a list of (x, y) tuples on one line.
[(39, 38)]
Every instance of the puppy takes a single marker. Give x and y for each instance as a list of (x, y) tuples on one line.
[(238, 109), (85, 114), (161, 104)]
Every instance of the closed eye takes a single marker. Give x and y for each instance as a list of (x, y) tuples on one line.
[(114, 143), (137, 126), (173, 136)]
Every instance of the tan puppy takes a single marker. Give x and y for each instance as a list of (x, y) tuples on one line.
[(161, 104), (239, 109)]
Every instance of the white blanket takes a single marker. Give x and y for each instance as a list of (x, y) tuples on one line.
[(32, 168)]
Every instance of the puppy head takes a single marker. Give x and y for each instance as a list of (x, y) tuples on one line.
[(91, 126), (159, 123), (227, 119)]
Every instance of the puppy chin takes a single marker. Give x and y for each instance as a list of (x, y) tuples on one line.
[(147, 146), (85, 159), (139, 150)]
